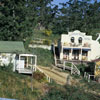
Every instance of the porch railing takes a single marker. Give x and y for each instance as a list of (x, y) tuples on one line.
[(73, 68), (48, 77), (87, 76)]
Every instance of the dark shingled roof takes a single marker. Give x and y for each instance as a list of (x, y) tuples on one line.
[(11, 47)]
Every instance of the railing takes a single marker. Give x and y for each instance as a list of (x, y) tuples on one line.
[(37, 40), (87, 76), (74, 69), (25, 70), (41, 41), (48, 78), (76, 45)]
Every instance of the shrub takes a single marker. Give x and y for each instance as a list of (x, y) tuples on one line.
[(39, 76), (82, 68), (7, 67), (69, 93), (47, 42), (48, 32)]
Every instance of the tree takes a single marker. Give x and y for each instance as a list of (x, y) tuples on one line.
[(80, 15), (14, 22)]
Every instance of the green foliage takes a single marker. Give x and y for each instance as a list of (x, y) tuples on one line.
[(8, 68), (46, 42), (78, 15), (94, 86), (39, 76), (27, 42), (44, 56), (18, 19), (40, 34), (14, 21), (68, 64), (69, 93), (91, 67), (13, 85), (90, 86), (82, 68), (47, 32)]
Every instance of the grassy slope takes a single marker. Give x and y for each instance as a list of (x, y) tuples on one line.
[(69, 93), (44, 57), (41, 35), (13, 85)]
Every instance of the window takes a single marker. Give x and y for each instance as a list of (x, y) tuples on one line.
[(72, 39), (80, 39)]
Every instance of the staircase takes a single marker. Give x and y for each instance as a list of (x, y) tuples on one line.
[(75, 70), (63, 64)]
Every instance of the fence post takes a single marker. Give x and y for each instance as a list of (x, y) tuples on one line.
[(71, 69), (49, 79), (64, 65), (84, 74), (89, 78)]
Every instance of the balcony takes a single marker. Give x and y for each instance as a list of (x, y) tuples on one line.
[(87, 45)]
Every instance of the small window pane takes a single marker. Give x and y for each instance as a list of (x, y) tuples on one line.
[(80, 40), (72, 39)]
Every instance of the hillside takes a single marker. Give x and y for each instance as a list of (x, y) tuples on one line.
[(18, 86)]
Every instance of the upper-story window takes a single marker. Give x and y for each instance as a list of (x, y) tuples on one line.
[(80, 39), (72, 39)]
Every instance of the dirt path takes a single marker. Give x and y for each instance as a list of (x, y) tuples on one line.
[(59, 77)]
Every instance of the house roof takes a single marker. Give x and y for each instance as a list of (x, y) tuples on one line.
[(96, 60), (11, 47)]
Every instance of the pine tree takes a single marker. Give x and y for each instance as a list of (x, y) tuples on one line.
[(14, 23)]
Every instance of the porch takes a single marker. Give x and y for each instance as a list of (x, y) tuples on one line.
[(25, 71), (26, 63), (76, 54)]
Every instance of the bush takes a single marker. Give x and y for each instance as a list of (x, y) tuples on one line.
[(7, 67), (39, 76), (47, 42), (69, 93), (82, 68), (47, 32)]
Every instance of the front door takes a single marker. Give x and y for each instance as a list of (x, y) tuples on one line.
[(75, 55)]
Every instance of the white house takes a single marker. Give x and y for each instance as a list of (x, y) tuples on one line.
[(77, 46), (14, 52)]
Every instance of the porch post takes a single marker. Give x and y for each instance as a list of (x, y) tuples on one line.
[(71, 54), (81, 55), (35, 62), (88, 55), (61, 53), (27, 62), (31, 63), (19, 62)]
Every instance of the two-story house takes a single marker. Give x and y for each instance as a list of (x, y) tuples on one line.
[(77, 46)]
